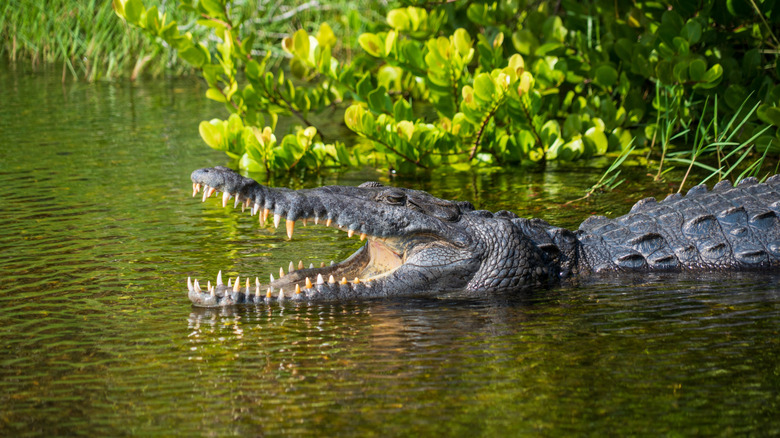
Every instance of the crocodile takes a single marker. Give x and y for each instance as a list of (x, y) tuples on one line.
[(420, 245)]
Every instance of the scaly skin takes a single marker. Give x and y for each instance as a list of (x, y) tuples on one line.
[(421, 245)]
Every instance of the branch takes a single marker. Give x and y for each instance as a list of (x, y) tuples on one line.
[(530, 122), (416, 163), (482, 127)]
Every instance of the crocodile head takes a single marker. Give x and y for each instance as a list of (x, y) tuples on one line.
[(416, 244)]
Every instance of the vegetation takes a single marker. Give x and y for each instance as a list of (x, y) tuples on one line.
[(461, 84), (85, 37), (485, 83)]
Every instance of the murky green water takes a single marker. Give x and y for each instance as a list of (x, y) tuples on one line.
[(97, 337)]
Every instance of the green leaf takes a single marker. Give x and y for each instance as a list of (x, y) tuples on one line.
[(194, 55), (372, 44), (402, 110), (769, 114), (680, 71), (300, 44), (598, 140), (550, 131), (605, 75), (214, 8), (364, 87), (572, 126), (691, 31), (325, 36), (462, 42), (681, 45), (398, 19), (524, 42), (153, 20), (572, 150), (379, 101), (133, 11), (212, 134), (413, 54), (484, 87), (696, 69), (214, 94), (711, 78), (119, 8)]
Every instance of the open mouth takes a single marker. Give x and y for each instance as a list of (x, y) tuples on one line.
[(379, 258)]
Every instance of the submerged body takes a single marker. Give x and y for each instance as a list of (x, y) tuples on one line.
[(417, 244)]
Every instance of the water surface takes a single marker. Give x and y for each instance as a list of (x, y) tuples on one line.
[(98, 233)]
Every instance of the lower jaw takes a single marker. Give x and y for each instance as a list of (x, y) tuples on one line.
[(360, 275)]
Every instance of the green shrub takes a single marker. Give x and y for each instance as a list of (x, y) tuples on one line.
[(488, 83)]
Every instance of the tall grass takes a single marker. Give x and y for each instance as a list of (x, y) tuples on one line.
[(85, 36), (92, 43)]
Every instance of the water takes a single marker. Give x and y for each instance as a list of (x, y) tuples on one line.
[(98, 233)]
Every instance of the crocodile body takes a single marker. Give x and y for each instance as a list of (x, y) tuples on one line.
[(417, 244)]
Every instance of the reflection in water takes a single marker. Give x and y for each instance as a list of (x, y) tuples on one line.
[(97, 337)]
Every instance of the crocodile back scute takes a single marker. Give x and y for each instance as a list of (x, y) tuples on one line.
[(724, 228)]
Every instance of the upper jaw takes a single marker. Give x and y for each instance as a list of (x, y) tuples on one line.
[(352, 209)]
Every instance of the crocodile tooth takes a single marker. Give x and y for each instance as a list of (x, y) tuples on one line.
[(331, 279), (305, 221), (332, 263), (362, 236), (356, 280), (238, 199), (290, 227), (205, 193), (316, 220), (272, 278), (195, 189), (281, 294), (264, 216), (291, 267), (328, 222), (277, 219), (308, 283), (247, 285), (211, 191), (268, 293), (300, 264), (311, 265), (297, 289), (237, 285), (255, 208), (350, 233), (281, 272), (196, 287), (257, 291), (229, 283), (189, 284), (213, 291), (225, 199), (322, 264), (208, 286), (320, 280), (219, 278), (343, 280)]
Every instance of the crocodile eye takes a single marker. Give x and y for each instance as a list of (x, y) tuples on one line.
[(394, 197)]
